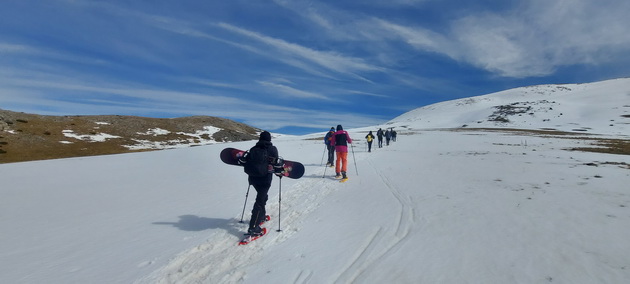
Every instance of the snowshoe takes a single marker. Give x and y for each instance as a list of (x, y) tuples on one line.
[(252, 237)]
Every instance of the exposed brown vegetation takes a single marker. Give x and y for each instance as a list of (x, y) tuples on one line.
[(610, 146), (29, 137), (601, 145)]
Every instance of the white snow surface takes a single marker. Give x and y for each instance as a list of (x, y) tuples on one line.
[(591, 108), (99, 137), (436, 206), (200, 137), (155, 132)]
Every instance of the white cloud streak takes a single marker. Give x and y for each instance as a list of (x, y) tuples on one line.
[(534, 38), (330, 60), (538, 37), (18, 50), (290, 91)]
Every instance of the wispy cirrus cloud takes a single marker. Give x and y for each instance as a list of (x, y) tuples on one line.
[(327, 64), (367, 94), (12, 48), (328, 60), (532, 39), (19, 50), (417, 37), (529, 38), (536, 39), (291, 91)]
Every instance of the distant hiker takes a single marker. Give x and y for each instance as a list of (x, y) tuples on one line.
[(330, 147), (388, 136), (370, 138), (260, 162), (393, 135), (380, 135), (340, 140)]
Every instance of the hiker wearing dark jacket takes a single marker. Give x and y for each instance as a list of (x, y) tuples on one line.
[(330, 147), (370, 138), (380, 135), (262, 183), (341, 140)]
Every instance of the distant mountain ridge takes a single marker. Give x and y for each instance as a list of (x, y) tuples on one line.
[(27, 137), (595, 108)]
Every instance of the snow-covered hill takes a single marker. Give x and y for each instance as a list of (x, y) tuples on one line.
[(436, 206), (601, 107)]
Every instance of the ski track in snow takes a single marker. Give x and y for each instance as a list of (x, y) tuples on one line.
[(220, 260), (381, 243)]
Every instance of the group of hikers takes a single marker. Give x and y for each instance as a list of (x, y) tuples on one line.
[(336, 141), (389, 134)]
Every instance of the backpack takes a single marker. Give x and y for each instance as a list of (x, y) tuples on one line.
[(328, 137), (257, 162), (341, 139)]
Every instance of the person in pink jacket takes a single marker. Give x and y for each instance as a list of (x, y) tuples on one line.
[(341, 139)]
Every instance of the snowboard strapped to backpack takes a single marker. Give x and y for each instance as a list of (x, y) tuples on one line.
[(290, 169), (257, 162)]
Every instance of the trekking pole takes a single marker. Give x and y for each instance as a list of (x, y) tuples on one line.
[(246, 195), (353, 158), (325, 148), (279, 205), (325, 168)]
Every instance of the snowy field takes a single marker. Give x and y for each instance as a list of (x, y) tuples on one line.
[(437, 206)]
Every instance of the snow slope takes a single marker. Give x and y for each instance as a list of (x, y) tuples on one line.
[(601, 107), (436, 206)]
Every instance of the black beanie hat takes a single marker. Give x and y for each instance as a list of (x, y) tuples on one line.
[(339, 127), (265, 136)]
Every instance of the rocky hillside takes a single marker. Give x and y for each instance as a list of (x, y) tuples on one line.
[(28, 137)]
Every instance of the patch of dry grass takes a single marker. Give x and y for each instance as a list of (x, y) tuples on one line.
[(29, 137), (608, 146), (602, 145)]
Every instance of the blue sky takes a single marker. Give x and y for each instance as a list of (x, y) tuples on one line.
[(293, 66)]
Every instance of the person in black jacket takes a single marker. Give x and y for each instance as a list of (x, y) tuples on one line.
[(370, 138), (262, 184), (380, 135), (330, 147)]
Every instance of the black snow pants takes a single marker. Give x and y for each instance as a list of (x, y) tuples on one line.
[(261, 185)]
